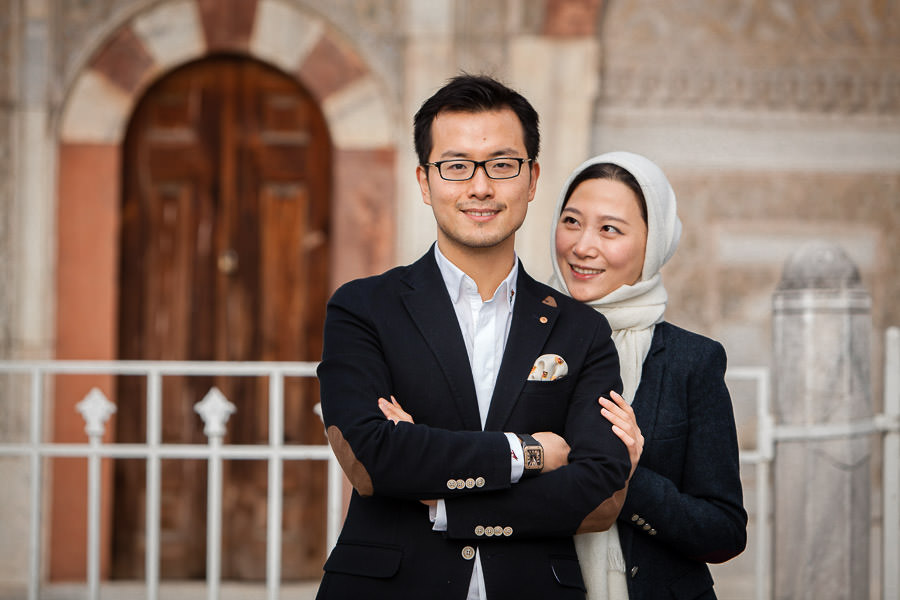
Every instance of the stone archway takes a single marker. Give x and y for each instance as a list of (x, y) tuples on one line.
[(94, 119)]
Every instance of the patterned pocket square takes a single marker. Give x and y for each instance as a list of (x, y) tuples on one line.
[(548, 367)]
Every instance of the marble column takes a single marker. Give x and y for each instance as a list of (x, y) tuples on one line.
[(822, 411)]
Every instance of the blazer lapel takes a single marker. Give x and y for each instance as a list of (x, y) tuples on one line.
[(647, 396), (532, 321), (429, 306)]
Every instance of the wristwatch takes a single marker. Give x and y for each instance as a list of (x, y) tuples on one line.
[(533, 453)]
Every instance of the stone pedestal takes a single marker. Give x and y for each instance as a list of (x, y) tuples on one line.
[(822, 410)]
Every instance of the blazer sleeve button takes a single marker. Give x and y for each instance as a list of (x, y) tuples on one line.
[(479, 531), (451, 484), (479, 482)]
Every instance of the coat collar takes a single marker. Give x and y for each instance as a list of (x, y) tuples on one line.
[(647, 397), (534, 315), (429, 306)]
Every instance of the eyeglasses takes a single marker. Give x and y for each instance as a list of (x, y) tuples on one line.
[(461, 169)]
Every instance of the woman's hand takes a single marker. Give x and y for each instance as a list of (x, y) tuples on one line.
[(624, 425), (393, 411)]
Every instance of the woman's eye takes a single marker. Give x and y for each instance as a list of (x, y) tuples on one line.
[(610, 229), (569, 221)]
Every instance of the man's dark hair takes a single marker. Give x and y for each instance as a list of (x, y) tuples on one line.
[(474, 93)]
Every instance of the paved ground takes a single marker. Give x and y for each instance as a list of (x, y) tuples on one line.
[(167, 591)]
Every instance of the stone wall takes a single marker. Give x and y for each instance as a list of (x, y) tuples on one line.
[(778, 123), (7, 100)]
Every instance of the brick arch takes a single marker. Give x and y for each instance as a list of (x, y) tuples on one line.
[(92, 126)]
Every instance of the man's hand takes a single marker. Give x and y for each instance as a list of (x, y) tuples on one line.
[(393, 412), (624, 425), (556, 450)]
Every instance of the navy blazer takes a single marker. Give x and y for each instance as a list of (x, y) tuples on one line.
[(397, 333), (685, 505)]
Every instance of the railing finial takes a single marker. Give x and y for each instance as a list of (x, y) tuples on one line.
[(214, 409), (95, 409)]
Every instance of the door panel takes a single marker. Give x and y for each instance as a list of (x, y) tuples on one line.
[(224, 257)]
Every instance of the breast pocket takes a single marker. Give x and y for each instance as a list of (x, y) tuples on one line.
[(545, 404)]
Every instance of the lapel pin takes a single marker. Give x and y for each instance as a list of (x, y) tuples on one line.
[(543, 319), (549, 301)]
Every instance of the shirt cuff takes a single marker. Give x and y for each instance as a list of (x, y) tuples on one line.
[(438, 516), (517, 461)]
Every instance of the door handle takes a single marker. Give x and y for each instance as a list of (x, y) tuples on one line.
[(228, 262)]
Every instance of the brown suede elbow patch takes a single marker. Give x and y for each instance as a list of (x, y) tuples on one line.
[(603, 517), (353, 469)]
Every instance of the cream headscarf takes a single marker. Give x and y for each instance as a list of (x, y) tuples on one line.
[(632, 312)]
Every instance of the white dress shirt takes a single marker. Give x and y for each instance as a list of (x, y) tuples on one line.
[(485, 327)]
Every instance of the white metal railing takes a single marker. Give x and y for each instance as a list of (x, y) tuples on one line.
[(214, 409), (886, 424), (761, 457)]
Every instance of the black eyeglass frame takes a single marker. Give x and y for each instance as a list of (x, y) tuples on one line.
[(480, 163)]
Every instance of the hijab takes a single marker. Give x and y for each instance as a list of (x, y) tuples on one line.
[(633, 312)]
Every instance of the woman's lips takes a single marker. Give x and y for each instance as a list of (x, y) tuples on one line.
[(580, 272)]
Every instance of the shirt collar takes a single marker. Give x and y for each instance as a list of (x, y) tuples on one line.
[(455, 279)]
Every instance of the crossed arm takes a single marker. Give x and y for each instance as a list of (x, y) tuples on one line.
[(556, 451)]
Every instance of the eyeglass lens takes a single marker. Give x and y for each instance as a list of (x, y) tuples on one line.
[(496, 168)]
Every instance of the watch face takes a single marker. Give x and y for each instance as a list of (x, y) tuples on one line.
[(534, 458)]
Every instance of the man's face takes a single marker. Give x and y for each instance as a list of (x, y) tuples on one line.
[(480, 212)]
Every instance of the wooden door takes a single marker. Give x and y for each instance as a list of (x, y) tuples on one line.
[(226, 173)]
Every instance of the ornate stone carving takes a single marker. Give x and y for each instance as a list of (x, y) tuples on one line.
[(807, 56)]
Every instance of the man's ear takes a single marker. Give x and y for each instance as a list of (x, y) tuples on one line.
[(535, 173), (424, 187)]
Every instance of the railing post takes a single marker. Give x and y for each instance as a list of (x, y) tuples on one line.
[(214, 409), (96, 410), (822, 409), (891, 529)]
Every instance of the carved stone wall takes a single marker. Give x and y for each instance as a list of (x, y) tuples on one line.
[(835, 57), (778, 122), (7, 100)]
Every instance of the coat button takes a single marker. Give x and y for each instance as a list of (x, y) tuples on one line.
[(451, 484), (652, 532), (507, 531), (634, 517), (470, 483), (479, 482), (646, 526), (641, 521), (634, 571), (479, 531), (489, 531), (460, 484), (468, 553)]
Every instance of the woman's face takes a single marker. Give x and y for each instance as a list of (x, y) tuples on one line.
[(600, 239)]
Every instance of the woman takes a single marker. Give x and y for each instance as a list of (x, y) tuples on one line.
[(616, 227)]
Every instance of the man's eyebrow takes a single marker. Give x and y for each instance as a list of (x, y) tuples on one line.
[(510, 152)]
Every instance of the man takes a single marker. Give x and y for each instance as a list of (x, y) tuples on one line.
[(460, 503)]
